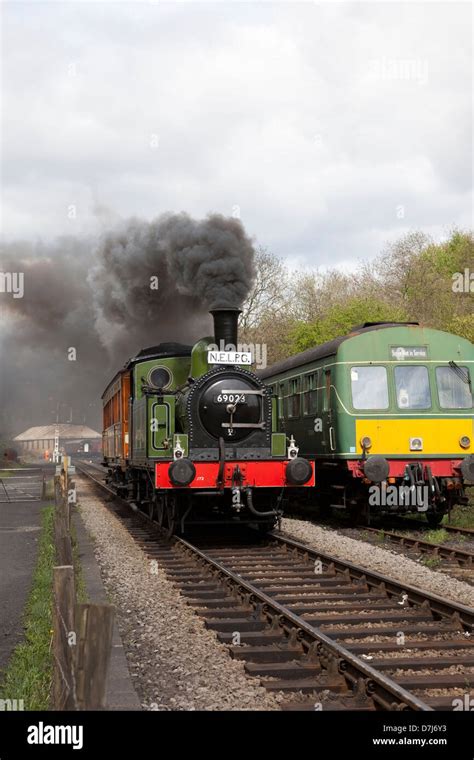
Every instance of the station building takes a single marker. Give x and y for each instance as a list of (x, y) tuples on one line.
[(38, 442)]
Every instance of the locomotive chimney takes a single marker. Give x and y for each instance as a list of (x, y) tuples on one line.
[(225, 326)]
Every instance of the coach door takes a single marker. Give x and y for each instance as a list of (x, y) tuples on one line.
[(329, 433)]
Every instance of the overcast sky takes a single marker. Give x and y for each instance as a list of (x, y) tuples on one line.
[(333, 127)]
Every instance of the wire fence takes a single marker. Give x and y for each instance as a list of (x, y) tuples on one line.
[(22, 484)]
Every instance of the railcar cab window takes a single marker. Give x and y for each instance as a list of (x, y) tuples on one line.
[(369, 387), (310, 393), (294, 397), (453, 391), (412, 387)]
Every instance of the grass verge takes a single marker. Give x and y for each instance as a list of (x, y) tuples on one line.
[(29, 672), (462, 516)]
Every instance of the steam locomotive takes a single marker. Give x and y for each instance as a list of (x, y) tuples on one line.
[(190, 435)]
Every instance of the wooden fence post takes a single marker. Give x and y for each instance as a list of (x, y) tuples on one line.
[(64, 597), (62, 535), (94, 628)]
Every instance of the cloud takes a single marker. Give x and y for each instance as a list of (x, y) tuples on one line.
[(318, 120)]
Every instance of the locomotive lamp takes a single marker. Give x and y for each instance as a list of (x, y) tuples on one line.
[(465, 441), (178, 451), (292, 449)]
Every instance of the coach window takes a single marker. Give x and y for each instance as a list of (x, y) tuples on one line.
[(454, 390), (412, 386), (281, 401), (369, 387), (310, 394), (294, 400)]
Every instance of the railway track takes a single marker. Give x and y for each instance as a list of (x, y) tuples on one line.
[(451, 559), (467, 533), (327, 633)]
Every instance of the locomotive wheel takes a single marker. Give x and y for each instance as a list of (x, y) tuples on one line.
[(160, 511), (151, 507), (171, 509)]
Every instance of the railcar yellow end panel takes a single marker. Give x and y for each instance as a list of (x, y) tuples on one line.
[(439, 437)]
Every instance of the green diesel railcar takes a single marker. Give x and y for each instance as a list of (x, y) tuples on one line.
[(387, 413)]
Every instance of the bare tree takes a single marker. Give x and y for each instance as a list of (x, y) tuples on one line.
[(269, 293)]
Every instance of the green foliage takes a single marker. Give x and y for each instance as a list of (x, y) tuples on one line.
[(462, 516), (412, 281), (463, 325), (438, 536), (341, 318), (431, 562)]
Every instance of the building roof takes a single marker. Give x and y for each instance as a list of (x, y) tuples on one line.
[(66, 432)]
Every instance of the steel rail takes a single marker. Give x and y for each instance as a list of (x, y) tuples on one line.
[(438, 605), (444, 552), (379, 687)]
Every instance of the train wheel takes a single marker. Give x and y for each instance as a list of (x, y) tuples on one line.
[(264, 528), (359, 514), (160, 511), (151, 507), (434, 518), (171, 508)]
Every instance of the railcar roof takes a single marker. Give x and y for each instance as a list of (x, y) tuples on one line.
[(327, 349)]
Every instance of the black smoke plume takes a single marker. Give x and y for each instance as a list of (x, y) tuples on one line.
[(100, 298)]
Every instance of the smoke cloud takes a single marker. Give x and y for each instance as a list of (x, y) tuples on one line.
[(139, 284), (213, 257)]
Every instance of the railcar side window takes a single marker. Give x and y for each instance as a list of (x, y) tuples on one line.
[(294, 399), (412, 386), (369, 387), (310, 393), (453, 392), (281, 401)]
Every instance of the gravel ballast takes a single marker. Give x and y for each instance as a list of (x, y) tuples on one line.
[(176, 663), (379, 560)]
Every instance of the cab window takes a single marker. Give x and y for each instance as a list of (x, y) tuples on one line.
[(454, 391), (369, 387), (412, 387)]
